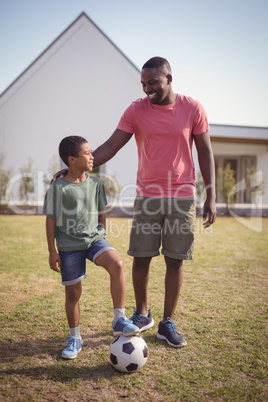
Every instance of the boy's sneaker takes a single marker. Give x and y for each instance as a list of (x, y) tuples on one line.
[(74, 347), (125, 327), (141, 321), (167, 330)]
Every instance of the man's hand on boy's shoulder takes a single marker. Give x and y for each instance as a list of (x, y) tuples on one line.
[(58, 175)]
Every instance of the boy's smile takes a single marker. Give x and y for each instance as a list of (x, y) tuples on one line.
[(84, 160)]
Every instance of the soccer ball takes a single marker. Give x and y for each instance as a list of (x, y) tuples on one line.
[(128, 354)]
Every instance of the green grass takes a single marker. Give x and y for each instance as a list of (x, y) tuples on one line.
[(222, 313)]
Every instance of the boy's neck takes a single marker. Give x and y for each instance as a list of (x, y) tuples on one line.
[(75, 176)]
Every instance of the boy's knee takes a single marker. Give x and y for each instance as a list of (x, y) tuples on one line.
[(117, 266)]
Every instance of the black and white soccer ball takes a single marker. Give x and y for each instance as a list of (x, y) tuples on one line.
[(128, 354)]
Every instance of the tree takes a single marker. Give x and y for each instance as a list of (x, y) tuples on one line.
[(254, 182), (112, 187), (5, 175), (53, 168), (200, 192), (226, 183), (27, 181)]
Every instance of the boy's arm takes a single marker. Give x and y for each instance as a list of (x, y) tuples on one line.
[(54, 257), (102, 219)]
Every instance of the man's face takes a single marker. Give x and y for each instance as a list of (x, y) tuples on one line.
[(156, 84)]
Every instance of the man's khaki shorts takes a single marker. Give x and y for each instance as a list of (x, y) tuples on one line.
[(167, 220)]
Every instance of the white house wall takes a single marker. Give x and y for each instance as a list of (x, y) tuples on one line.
[(80, 85)]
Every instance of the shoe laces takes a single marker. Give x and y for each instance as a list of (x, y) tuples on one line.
[(136, 317), (171, 327), (123, 318), (71, 341)]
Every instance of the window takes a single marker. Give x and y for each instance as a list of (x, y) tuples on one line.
[(240, 166)]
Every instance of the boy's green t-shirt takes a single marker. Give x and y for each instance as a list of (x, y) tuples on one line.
[(75, 206)]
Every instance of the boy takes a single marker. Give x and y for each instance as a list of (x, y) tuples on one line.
[(74, 207)]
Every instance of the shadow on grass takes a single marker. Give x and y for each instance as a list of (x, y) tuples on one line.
[(48, 364), (64, 373), (51, 347)]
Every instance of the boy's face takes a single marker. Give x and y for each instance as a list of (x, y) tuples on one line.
[(84, 160)]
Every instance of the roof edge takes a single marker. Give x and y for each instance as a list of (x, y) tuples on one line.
[(238, 126), (83, 14), (240, 140)]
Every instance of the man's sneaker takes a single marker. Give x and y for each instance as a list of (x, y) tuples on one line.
[(141, 321), (125, 327), (74, 347), (167, 330)]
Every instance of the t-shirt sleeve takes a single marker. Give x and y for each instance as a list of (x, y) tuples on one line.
[(126, 122), (200, 123), (49, 207), (102, 197)]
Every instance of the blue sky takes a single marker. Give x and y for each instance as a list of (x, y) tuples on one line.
[(218, 49)]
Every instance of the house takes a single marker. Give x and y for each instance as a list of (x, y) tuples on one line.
[(245, 149), (81, 84)]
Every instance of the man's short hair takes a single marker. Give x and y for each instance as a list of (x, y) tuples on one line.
[(157, 62), (70, 146)]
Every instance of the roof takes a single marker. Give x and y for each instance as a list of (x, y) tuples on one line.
[(239, 134), (82, 15)]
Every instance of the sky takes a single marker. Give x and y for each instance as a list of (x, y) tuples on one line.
[(218, 49)]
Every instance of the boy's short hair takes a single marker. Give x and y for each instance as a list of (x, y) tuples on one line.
[(70, 146), (157, 62)]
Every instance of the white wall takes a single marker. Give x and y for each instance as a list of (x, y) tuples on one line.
[(81, 85)]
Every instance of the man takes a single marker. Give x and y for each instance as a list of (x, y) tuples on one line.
[(165, 125)]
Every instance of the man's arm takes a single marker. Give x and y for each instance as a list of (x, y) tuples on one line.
[(108, 149), (207, 167), (54, 257), (104, 152)]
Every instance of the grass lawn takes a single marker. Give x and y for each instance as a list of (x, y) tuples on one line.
[(222, 313)]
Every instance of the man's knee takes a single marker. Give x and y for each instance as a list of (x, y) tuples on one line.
[(141, 262), (172, 263)]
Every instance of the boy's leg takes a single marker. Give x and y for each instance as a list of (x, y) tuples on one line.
[(73, 271), (113, 264), (72, 296)]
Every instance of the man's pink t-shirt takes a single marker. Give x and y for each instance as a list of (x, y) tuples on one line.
[(164, 138)]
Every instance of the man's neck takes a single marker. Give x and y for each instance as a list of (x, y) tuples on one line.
[(172, 98)]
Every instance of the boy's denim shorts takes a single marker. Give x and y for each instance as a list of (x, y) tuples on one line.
[(73, 263)]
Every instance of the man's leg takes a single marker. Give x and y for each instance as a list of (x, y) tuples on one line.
[(140, 277), (173, 283)]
